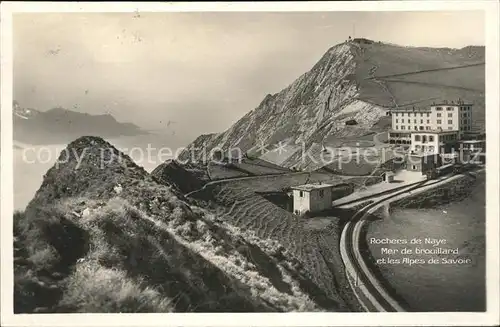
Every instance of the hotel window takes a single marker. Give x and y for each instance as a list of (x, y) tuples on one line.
[(402, 127), (439, 108), (449, 109), (408, 121), (421, 128), (428, 115), (450, 114), (421, 121), (396, 120), (321, 193), (431, 138), (439, 114), (301, 194), (416, 128), (396, 126), (450, 128), (415, 121), (439, 121), (414, 114), (421, 115), (428, 128), (450, 122), (428, 121), (417, 138)]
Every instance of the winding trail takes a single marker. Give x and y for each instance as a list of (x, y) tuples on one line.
[(426, 71)]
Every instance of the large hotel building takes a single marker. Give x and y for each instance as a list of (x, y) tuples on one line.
[(433, 129)]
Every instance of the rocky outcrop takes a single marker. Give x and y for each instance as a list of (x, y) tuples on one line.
[(101, 235)]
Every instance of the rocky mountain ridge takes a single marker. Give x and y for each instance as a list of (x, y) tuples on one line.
[(60, 126), (348, 91)]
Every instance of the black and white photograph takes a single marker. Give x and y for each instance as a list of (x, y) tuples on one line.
[(249, 161)]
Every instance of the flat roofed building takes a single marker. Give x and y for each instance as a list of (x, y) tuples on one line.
[(423, 162), (433, 142), (311, 198), (452, 116), (474, 145), (447, 116)]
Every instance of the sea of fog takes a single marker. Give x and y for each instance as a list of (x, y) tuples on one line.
[(438, 287), (31, 162)]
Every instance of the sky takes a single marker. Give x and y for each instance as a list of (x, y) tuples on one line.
[(202, 70)]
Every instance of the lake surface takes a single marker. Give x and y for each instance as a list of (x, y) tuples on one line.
[(438, 287), (31, 162)]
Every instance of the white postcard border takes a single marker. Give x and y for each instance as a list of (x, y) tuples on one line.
[(490, 317)]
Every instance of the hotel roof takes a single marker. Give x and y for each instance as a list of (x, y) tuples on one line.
[(444, 103), (473, 141), (310, 187), (425, 131), (434, 131), (411, 109), (451, 104)]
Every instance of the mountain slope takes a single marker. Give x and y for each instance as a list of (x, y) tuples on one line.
[(59, 125), (101, 235), (347, 93)]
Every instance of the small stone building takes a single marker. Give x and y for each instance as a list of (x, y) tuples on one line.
[(311, 198), (422, 162), (388, 177)]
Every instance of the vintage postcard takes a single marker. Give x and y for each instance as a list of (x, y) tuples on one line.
[(250, 164)]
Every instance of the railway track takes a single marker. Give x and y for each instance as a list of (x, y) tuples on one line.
[(371, 294)]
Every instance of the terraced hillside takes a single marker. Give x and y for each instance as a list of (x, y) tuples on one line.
[(190, 176), (106, 237), (356, 82), (314, 241)]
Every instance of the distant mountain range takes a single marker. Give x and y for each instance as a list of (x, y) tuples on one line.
[(347, 95), (59, 125)]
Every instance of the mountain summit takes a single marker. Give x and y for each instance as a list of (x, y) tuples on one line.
[(348, 93)]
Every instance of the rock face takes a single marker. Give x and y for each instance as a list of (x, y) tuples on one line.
[(359, 80), (174, 174), (296, 112)]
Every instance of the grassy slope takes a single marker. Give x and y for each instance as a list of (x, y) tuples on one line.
[(383, 60), (81, 246), (316, 247)]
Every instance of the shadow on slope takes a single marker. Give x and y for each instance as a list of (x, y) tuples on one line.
[(101, 235)]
